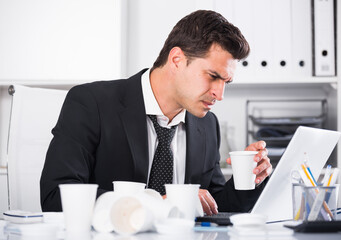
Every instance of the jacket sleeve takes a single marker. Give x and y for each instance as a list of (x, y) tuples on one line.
[(71, 155), (227, 197)]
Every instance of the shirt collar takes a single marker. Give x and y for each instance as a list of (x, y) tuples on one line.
[(153, 108)]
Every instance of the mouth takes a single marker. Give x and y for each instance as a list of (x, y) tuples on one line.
[(208, 104)]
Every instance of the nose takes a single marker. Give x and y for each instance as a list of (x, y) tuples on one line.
[(218, 89)]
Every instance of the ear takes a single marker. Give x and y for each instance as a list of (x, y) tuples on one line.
[(176, 57)]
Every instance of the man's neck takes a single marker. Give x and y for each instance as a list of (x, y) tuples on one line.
[(161, 83)]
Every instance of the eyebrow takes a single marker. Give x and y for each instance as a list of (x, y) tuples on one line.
[(217, 75)]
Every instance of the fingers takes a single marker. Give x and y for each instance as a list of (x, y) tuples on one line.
[(208, 203), (261, 155), (263, 169), (256, 146)]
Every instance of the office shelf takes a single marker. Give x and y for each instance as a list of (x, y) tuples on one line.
[(288, 120), (275, 141), (283, 80), (274, 121)]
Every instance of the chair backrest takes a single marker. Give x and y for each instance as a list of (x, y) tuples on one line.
[(34, 113)]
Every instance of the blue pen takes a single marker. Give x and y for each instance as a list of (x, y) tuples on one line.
[(205, 224), (312, 176)]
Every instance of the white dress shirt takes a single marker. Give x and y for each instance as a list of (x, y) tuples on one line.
[(178, 144)]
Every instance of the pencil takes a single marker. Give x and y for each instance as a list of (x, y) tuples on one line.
[(308, 175)]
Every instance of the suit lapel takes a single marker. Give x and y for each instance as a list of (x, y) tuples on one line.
[(195, 149), (133, 117)]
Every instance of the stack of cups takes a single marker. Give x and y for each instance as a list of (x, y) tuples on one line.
[(131, 208)]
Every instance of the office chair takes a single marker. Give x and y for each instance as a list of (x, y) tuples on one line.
[(34, 112)]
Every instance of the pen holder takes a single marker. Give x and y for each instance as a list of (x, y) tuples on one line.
[(314, 203), (298, 204), (321, 203)]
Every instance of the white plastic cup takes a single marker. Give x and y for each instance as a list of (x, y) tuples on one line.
[(128, 216), (132, 214), (185, 198), (101, 219), (78, 202), (243, 164), (127, 187)]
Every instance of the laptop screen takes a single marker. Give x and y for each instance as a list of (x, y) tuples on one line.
[(316, 145)]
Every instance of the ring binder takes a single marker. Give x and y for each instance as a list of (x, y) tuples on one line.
[(323, 38)]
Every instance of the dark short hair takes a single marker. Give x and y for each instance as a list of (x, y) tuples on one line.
[(196, 32)]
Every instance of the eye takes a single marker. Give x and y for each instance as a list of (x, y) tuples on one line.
[(213, 77), (228, 82)]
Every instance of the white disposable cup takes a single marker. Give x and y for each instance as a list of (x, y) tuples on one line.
[(132, 214), (101, 219), (126, 187), (243, 164), (185, 197), (78, 202)]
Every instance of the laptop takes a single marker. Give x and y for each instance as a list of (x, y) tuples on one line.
[(275, 200)]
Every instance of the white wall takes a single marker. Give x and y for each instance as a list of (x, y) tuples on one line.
[(63, 40)]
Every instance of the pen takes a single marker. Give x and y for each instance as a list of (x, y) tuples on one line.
[(310, 178), (327, 176), (308, 168), (334, 176), (330, 179)]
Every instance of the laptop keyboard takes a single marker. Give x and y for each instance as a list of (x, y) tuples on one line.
[(221, 218)]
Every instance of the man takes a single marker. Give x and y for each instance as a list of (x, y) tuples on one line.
[(113, 130)]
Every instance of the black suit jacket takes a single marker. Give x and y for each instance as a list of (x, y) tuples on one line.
[(101, 136)]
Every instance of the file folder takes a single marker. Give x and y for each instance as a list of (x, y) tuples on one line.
[(281, 35), (263, 47), (246, 68), (301, 38), (323, 38)]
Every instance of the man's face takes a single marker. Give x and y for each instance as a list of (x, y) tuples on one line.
[(202, 82)]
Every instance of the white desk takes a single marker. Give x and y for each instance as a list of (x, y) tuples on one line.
[(153, 236), (194, 236)]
